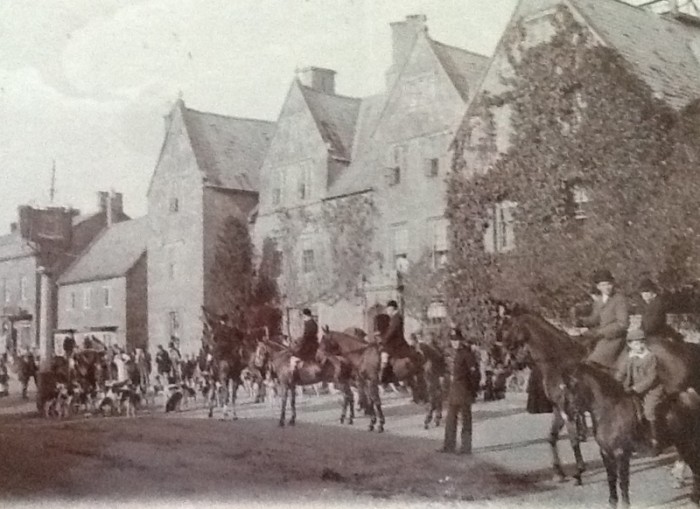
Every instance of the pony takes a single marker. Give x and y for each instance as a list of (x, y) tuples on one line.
[(591, 387), (326, 369)]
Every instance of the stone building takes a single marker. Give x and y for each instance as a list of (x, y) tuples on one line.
[(207, 171), (392, 148), (52, 238), (104, 292), (659, 40)]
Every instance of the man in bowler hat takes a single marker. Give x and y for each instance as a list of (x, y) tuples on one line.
[(463, 369)]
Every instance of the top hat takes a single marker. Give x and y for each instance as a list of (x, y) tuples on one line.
[(647, 285), (392, 304), (636, 335), (603, 275), (306, 311)]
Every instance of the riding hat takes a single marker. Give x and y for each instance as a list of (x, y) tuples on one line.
[(392, 304), (306, 311), (603, 275), (647, 285), (636, 335)]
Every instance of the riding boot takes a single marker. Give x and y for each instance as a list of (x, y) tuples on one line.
[(653, 440)]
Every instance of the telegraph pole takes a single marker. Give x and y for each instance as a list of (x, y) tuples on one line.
[(52, 189)]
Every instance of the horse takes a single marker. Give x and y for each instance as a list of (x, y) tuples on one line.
[(365, 361), (434, 371), (592, 388), (227, 346), (328, 369), (553, 351)]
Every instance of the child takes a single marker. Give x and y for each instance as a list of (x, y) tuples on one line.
[(639, 376)]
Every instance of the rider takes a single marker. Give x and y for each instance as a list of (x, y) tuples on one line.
[(608, 322), (654, 322), (639, 376), (305, 347), (392, 339)]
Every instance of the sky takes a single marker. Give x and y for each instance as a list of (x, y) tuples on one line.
[(87, 83)]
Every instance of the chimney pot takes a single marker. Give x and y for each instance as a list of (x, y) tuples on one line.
[(403, 35), (318, 78)]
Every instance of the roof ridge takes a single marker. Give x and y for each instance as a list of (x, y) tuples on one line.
[(463, 50), (228, 117), (338, 96)]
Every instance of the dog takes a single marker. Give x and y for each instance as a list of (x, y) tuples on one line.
[(129, 400), (59, 404), (174, 403), (188, 394)]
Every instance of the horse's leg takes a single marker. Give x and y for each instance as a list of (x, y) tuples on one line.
[(369, 402), (234, 390), (611, 470), (285, 391), (437, 399), (376, 402), (557, 424), (293, 405), (572, 430), (350, 402), (623, 471)]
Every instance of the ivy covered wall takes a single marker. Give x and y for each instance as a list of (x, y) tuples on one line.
[(579, 123)]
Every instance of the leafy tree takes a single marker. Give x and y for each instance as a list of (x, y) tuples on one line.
[(233, 271), (265, 302)]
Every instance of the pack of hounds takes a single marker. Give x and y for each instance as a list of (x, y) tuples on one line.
[(124, 398)]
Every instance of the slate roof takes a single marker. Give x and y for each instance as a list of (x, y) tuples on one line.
[(228, 150), (111, 254), (658, 47), (335, 116), (464, 68), (358, 177), (13, 245)]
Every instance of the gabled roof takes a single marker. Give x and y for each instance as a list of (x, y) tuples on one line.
[(463, 67), (659, 48), (358, 176), (335, 116), (111, 254), (14, 246), (228, 150)]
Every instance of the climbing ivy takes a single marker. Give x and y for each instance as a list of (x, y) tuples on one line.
[(578, 115), (342, 233)]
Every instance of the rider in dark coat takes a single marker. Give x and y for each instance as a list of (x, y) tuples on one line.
[(654, 322), (304, 348), (392, 340)]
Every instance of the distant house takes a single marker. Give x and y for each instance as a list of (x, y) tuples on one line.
[(104, 292), (207, 171), (44, 237)]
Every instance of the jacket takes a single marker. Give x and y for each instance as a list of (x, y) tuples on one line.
[(639, 373), (654, 321), (609, 320), (305, 347), (463, 369), (393, 339)]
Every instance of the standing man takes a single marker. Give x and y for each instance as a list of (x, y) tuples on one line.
[(304, 348), (463, 369), (608, 322), (392, 340), (654, 322)]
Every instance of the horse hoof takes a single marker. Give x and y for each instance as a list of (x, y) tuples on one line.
[(380, 429), (578, 481), (234, 418), (370, 428), (350, 422), (281, 423), (342, 420), (426, 426), (292, 422)]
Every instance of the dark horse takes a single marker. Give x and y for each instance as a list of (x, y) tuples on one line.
[(592, 388), (228, 347), (434, 371), (553, 351), (365, 361), (327, 369)]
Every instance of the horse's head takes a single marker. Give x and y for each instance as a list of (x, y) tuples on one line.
[(327, 345)]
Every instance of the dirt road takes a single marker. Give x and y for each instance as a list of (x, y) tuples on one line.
[(188, 459)]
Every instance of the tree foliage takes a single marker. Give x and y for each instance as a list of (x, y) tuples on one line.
[(578, 115)]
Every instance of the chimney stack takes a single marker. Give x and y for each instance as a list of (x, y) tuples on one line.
[(403, 36), (318, 78), (112, 204)]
